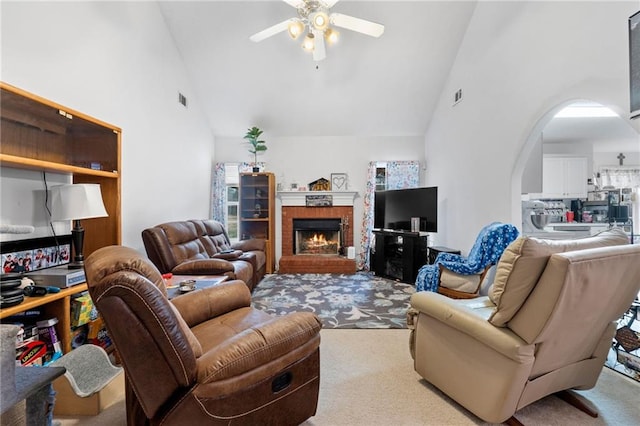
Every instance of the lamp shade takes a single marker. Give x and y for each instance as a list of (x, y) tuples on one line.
[(76, 201)]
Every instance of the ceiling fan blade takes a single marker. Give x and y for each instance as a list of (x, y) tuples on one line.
[(330, 3), (319, 50), (356, 24), (295, 3), (271, 31)]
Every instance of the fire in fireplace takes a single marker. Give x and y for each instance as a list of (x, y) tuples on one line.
[(316, 236)]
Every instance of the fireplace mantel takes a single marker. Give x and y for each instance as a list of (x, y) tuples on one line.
[(297, 198)]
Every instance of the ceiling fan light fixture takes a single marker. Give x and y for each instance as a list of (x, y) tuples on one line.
[(295, 28), (331, 35), (316, 24), (319, 20), (309, 43)]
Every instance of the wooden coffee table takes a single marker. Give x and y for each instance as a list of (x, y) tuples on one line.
[(202, 281)]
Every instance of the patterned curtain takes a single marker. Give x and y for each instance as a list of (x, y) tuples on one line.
[(400, 175), (219, 194), (620, 176), (403, 174), (367, 218), (219, 188)]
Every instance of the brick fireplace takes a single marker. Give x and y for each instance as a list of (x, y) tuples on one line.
[(294, 208)]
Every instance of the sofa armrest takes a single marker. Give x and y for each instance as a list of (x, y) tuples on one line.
[(258, 244), (203, 267), (461, 316), (234, 255), (202, 305), (257, 346)]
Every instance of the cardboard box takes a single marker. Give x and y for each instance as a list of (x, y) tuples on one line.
[(98, 335), (81, 310), (69, 404)]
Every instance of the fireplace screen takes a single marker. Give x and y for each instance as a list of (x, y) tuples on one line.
[(316, 236)]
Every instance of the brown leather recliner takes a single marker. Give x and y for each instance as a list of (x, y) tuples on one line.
[(205, 357), (195, 247)]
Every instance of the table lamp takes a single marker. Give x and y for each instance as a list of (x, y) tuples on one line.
[(76, 202)]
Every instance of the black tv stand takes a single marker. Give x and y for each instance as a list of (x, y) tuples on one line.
[(399, 254)]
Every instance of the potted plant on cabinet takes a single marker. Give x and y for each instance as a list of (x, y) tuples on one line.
[(253, 135)]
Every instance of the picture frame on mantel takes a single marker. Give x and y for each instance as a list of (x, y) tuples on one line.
[(339, 181)]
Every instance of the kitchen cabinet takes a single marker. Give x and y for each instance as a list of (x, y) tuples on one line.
[(564, 177), (257, 211)]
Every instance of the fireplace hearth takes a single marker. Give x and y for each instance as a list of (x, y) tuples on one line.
[(341, 213)]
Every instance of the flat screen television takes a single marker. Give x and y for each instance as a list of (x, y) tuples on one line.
[(394, 209), (634, 64)]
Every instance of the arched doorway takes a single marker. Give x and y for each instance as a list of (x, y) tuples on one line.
[(575, 127)]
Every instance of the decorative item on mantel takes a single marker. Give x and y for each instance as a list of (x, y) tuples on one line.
[(339, 181), (321, 184), (319, 200), (256, 145)]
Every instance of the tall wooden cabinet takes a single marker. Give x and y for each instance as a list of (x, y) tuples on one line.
[(257, 211), (41, 135)]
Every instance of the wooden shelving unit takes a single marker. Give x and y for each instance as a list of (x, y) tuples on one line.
[(38, 134), (257, 211), (54, 305)]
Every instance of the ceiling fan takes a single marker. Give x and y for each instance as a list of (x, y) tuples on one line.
[(315, 20)]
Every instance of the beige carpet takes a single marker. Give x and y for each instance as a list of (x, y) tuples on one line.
[(367, 378)]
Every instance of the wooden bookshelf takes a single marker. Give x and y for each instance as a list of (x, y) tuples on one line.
[(39, 134), (257, 211)]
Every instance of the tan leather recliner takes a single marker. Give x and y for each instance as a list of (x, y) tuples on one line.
[(545, 327), (198, 247), (205, 357)]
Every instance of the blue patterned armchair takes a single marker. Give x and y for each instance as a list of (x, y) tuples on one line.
[(461, 277)]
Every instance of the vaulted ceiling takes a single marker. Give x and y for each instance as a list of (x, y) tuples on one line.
[(366, 86), (386, 86)]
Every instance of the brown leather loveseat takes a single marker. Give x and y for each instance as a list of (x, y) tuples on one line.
[(202, 247), (205, 357)]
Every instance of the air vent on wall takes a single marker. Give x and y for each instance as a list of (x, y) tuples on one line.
[(457, 97), (182, 99)]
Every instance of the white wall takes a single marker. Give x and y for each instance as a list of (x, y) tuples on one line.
[(519, 62), (601, 159), (117, 62), (304, 159), (22, 200)]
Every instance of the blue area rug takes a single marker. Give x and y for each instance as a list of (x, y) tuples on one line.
[(361, 300)]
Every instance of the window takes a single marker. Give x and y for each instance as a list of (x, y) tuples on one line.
[(381, 176), (232, 182)]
